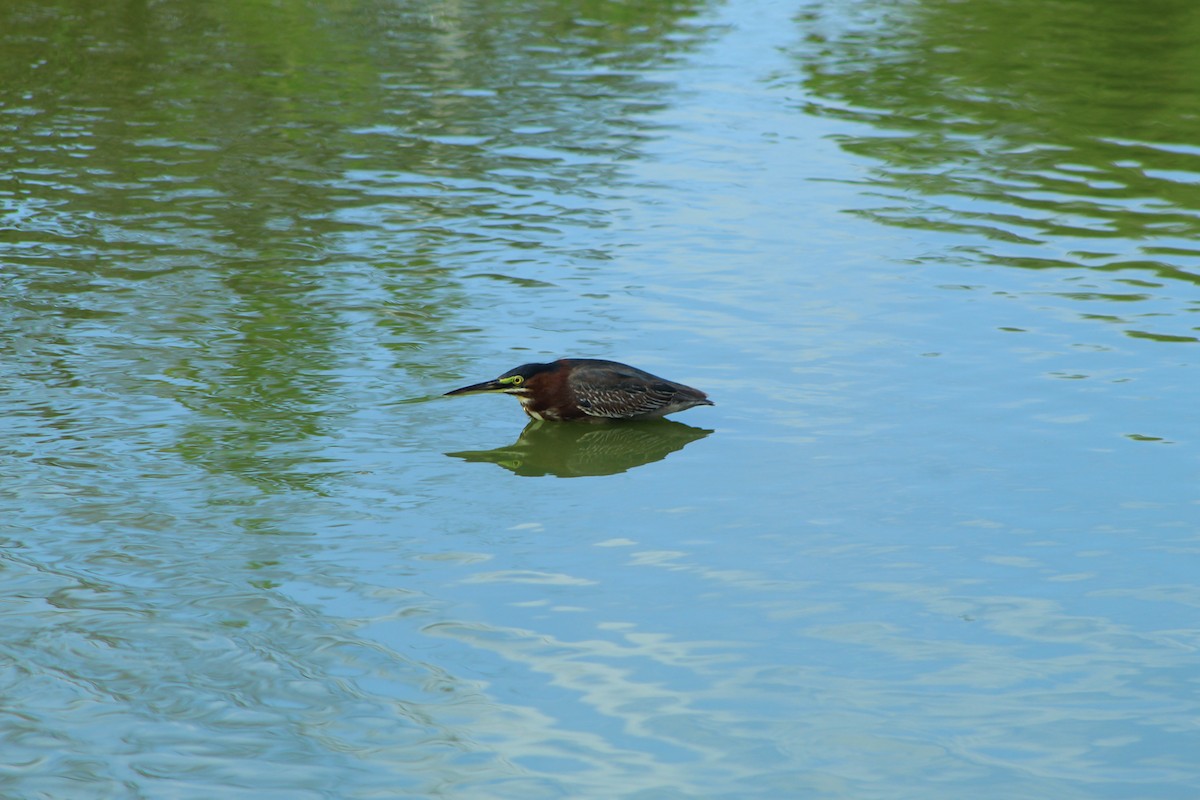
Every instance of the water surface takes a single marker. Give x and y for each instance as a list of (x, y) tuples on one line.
[(935, 262)]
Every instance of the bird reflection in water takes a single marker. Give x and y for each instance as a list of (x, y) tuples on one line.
[(578, 450)]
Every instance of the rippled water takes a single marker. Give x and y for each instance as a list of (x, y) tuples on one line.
[(935, 262)]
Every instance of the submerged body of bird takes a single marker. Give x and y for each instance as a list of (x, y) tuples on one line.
[(590, 389)]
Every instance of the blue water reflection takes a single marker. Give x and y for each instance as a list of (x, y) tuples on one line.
[(936, 260)]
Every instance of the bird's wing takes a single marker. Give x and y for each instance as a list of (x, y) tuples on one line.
[(615, 394)]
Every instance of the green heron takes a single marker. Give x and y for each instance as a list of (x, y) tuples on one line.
[(588, 388)]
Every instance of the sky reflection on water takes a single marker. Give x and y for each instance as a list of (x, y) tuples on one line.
[(937, 537)]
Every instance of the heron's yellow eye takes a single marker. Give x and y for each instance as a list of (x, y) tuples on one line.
[(515, 380)]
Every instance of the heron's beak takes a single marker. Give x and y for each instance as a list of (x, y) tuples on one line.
[(486, 386)]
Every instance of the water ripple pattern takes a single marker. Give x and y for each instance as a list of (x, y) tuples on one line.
[(934, 262)]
